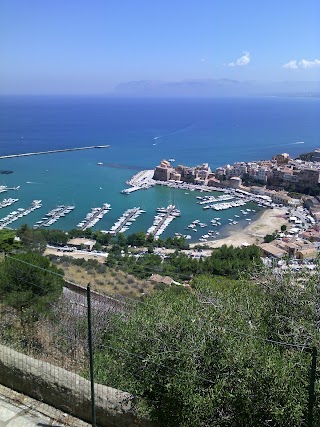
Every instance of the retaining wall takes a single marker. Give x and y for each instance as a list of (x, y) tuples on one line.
[(66, 391)]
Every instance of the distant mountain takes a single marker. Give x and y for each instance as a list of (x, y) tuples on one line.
[(215, 87)]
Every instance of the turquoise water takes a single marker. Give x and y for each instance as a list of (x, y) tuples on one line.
[(191, 131)]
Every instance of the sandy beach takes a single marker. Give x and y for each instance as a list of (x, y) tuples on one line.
[(267, 223)]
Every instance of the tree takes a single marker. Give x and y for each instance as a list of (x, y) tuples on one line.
[(29, 283), (283, 228), (8, 242), (34, 240), (201, 358)]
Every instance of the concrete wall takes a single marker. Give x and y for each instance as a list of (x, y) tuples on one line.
[(66, 391)]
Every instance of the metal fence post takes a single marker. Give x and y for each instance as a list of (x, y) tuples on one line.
[(93, 406), (311, 386)]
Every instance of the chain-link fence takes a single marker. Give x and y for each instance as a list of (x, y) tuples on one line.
[(76, 349)]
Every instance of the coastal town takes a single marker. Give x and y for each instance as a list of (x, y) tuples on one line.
[(288, 187), (285, 191)]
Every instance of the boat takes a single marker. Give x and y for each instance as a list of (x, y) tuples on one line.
[(172, 160), (99, 163)]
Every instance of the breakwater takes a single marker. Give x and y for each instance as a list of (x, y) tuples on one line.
[(63, 150)]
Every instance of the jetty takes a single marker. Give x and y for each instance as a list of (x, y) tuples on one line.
[(53, 216), (63, 150), (141, 180), (19, 213), (4, 188), (126, 219), (162, 220), (94, 216)]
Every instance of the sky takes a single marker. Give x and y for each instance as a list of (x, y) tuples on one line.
[(90, 46)]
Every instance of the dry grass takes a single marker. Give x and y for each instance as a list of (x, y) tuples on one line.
[(110, 282)]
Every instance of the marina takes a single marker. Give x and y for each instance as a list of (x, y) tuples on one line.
[(94, 216), (125, 220), (227, 205), (210, 199), (7, 202), (19, 213), (161, 221), (53, 216)]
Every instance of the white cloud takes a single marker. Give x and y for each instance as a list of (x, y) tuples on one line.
[(304, 63), (243, 60), (291, 64)]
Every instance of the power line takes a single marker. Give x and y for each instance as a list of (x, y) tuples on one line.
[(285, 344)]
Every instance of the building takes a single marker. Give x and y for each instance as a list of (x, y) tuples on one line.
[(163, 171), (309, 177), (82, 243), (271, 250)]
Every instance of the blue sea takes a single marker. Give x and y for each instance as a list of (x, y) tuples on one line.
[(140, 132)]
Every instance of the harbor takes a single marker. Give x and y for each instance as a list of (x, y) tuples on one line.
[(161, 221), (94, 216), (125, 220), (53, 216), (19, 213)]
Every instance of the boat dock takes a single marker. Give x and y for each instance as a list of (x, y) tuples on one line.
[(161, 221), (226, 205), (37, 153), (4, 188), (53, 216), (136, 188), (94, 216), (15, 215), (7, 202), (211, 199), (125, 220)]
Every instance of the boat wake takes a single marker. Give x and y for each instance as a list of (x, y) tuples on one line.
[(181, 130), (299, 142)]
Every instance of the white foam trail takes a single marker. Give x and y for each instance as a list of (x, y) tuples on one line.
[(184, 129), (299, 142)]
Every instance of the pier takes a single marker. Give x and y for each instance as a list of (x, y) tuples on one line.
[(94, 216), (37, 153), (53, 216), (136, 188), (141, 180), (15, 215), (125, 220), (4, 188), (7, 202), (162, 220)]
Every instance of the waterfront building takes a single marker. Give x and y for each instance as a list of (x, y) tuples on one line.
[(235, 182), (163, 171)]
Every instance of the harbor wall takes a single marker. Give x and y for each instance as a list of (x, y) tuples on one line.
[(9, 156)]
